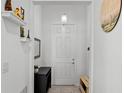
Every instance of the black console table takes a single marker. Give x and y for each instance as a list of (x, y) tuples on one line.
[(42, 80)]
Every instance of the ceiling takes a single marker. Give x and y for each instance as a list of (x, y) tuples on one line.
[(62, 2)]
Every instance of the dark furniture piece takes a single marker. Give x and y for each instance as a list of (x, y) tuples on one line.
[(42, 80)]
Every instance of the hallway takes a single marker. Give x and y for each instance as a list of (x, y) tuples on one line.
[(61, 46)]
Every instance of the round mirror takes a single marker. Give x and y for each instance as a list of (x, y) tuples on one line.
[(110, 13)]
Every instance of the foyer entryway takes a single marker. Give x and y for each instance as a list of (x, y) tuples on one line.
[(64, 45)]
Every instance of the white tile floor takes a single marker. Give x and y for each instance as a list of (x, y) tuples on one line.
[(64, 89)]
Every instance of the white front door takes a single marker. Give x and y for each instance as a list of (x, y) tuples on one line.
[(63, 54)]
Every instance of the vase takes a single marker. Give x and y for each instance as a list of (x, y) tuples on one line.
[(28, 36), (8, 5)]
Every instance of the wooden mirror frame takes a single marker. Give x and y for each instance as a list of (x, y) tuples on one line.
[(116, 20)]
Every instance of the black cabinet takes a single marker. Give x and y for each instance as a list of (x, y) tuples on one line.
[(42, 80)]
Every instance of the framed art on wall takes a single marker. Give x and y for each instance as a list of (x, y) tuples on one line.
[(37, 44), (110, 13)]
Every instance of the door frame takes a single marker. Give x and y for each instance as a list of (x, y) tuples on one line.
[(92, 47), (31, 68)]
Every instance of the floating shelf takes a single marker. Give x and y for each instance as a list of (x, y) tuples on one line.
[(11, 17), (24, 39)]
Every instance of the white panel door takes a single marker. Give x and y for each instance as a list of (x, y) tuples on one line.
[(63, 54)]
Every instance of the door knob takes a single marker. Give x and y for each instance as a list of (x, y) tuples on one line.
[(72, 62), (73, 59)]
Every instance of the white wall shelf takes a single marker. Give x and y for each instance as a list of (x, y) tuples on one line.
[(11, 17), (24, 39)]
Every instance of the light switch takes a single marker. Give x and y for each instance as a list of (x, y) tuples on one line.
[(88, 48), (5, 67)]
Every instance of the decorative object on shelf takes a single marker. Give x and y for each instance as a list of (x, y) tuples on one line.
[(8, 5), (110, 13), (22, 32), (36, 48), (22, 13), (23, 38), (36, 69), (19, 12), (28, 36)]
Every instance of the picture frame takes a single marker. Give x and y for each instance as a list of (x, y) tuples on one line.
[(37, 49)]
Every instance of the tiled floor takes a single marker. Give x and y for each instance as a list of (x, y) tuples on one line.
[(64, 89)]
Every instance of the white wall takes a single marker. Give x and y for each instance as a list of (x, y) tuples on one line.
[(15, 53), (38, 29), (107, 56), (51, 14)]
